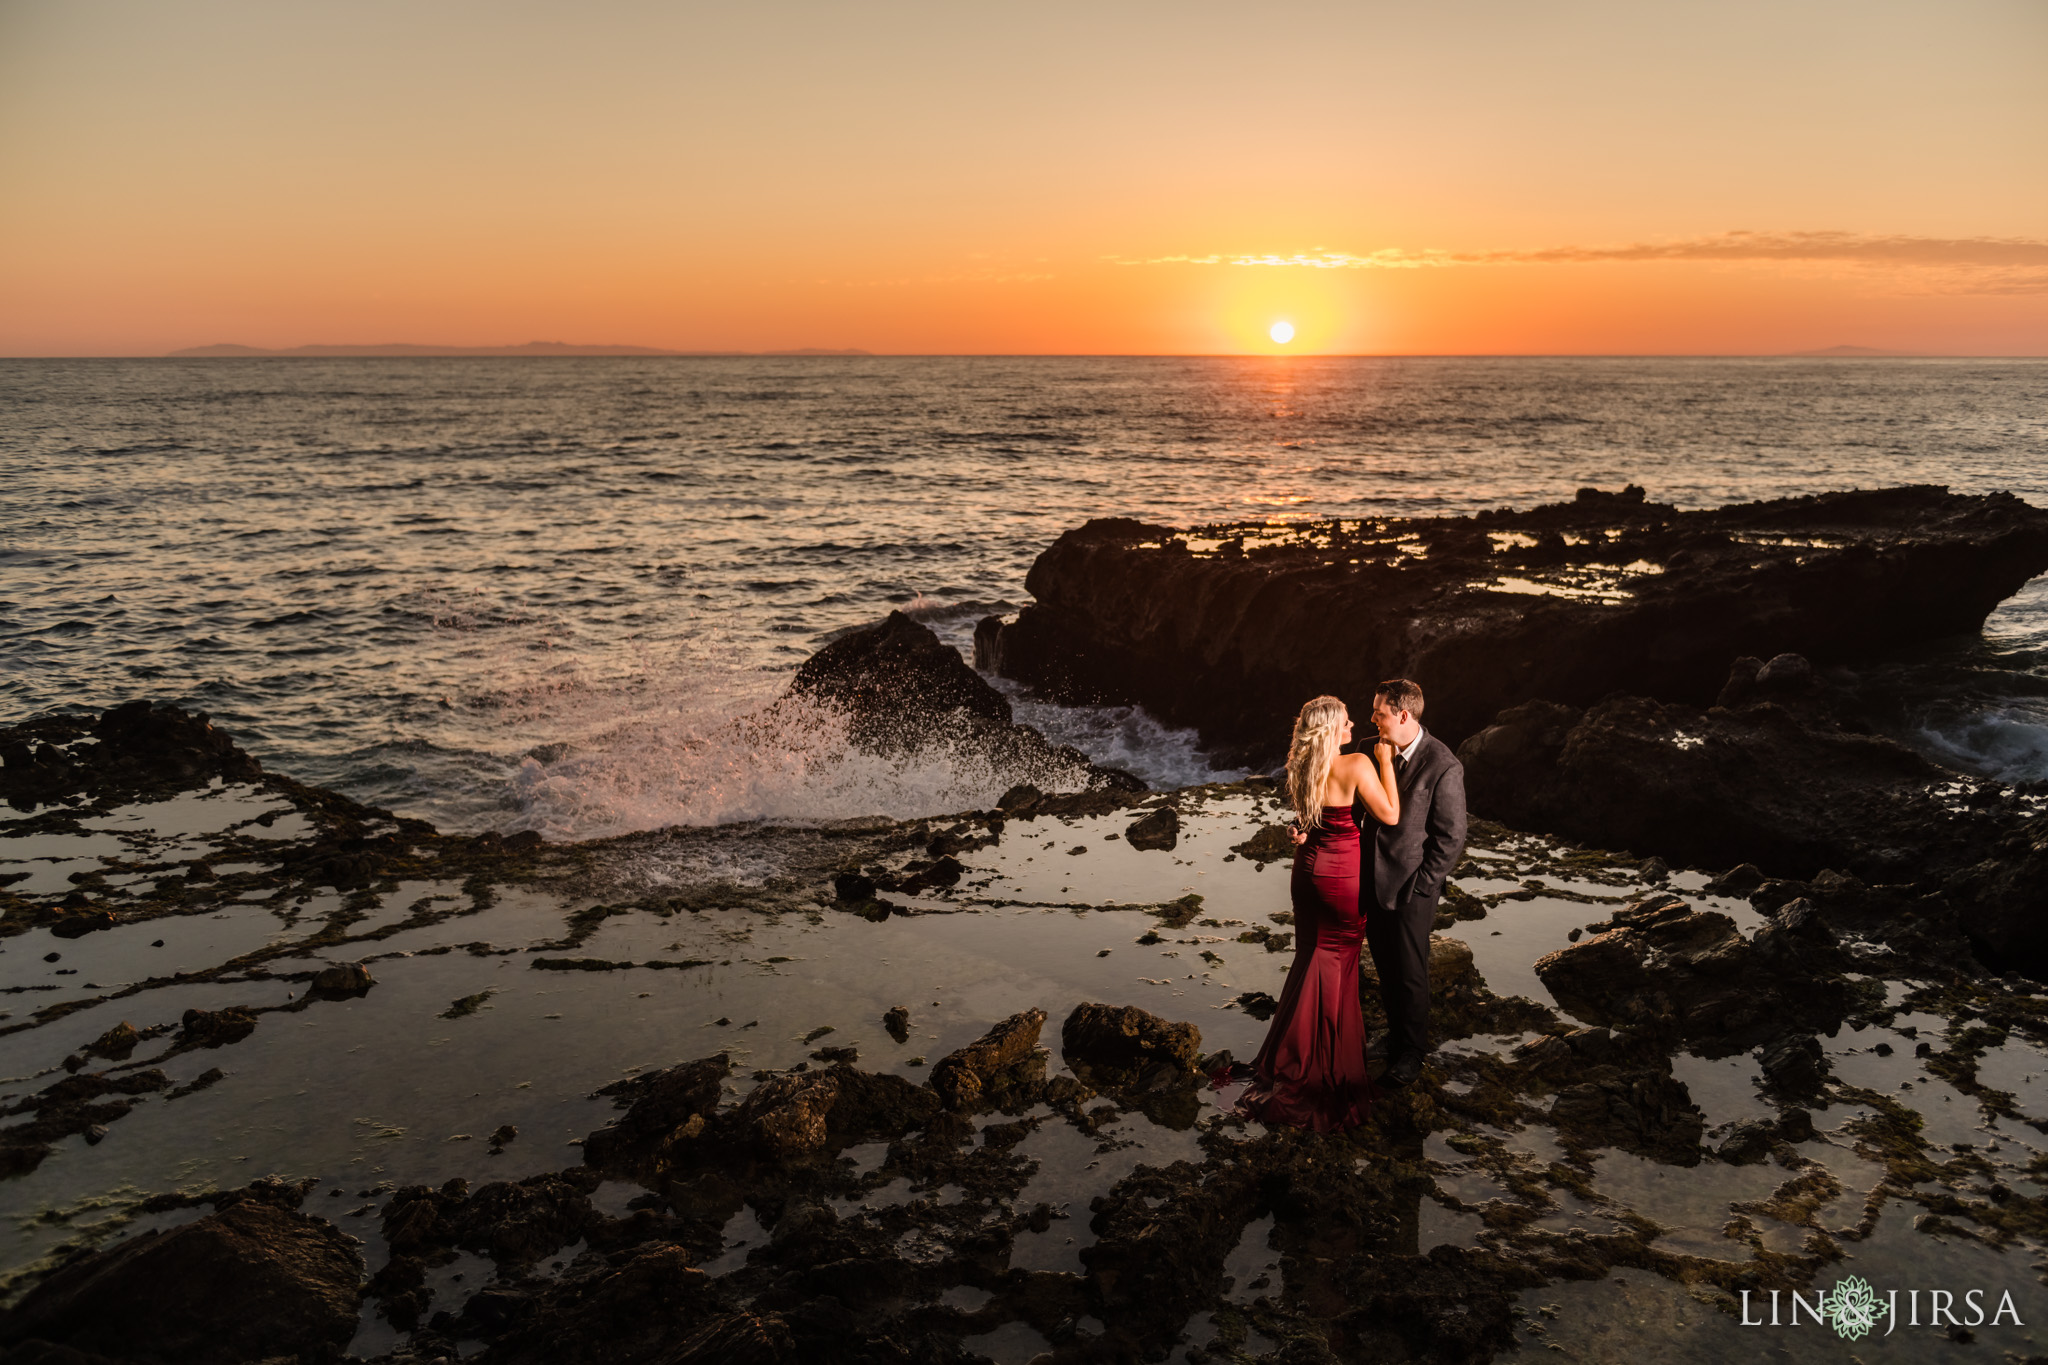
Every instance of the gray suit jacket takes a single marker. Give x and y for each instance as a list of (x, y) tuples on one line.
[(1411, 860)]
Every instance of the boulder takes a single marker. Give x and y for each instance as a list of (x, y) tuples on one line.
[(251, 1282), (1121, 1046), (1158, 831), (1226, 628), (216, 1028), (897, 682), (344, 979), (962, 1077), (1794, 1066), (1662, 965), (903, 690), (664, 1110), (1149, 1063)]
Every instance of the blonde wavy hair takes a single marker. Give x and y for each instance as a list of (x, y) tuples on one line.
[(1311, 756)]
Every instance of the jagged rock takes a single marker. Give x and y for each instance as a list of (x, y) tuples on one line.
[(1776, 786), (251, 1282), (344, 978), (961, 1077), (1149, 1062), (896, 1020), (666, 1108), (1258, 1004), (1269, 845), (116, 1043), (1123, 1043), (902, 690), (515, 1223), (1747, 1142), (1019, 799), (789, 1117), (1161, 1239), (1795, 1066), (1662, 963), (1649, 1112), (1231, 643), (1159, 831), (77, 923), (216, 1028), (654, 1306), (1739, 880), (896, 681)]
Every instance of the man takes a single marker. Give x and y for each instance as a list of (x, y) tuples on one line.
[(1406, 866)]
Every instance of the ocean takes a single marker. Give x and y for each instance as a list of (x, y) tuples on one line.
[(532, 593)]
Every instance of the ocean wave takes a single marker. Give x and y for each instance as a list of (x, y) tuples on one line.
[(789, 763), (2008, 742)]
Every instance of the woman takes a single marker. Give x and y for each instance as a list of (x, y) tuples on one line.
[(1311, 1071)]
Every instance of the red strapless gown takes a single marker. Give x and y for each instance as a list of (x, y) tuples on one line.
[(1311, 1071)]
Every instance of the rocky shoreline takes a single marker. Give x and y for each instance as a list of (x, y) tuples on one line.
[(939, 1089), (1228, 628)]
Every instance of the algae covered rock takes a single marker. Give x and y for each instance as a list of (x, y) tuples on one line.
[(962, 1077), (1121, 1046), (252, 1282), (1158, 831)]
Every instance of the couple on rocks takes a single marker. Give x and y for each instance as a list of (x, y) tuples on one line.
[(1377, 882)]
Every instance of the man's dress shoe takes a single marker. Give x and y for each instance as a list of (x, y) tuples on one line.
[(1404, 1071)]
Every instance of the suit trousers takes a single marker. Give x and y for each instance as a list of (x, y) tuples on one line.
[(1399, 940)]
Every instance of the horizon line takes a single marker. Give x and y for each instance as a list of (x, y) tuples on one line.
[(427, 352)]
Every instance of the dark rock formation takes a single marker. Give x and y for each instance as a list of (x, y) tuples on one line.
[(344, 979), (1648, 1112), (1661, 965), (1776, 781), (902, 690), (139, 746), (251, 1282), (667, 1107), (1123, 1045), (963, 1078), (898, 682), (1150, 1063), (1158, 831), (216, 1028), (674, 1117), (1229, 628), (633, 1314), (76, 1104)]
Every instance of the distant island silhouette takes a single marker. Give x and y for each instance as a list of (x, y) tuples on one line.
[(1857, 351), (531, 348)]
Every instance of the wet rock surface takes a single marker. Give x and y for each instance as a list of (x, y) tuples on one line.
[(820, 1135), (904, 691), (1776, 783), (252, 1282), (1226, 627)]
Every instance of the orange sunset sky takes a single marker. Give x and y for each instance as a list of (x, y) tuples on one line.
[(1637, 177)]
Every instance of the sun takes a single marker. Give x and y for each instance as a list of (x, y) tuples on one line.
[(1281, 332)]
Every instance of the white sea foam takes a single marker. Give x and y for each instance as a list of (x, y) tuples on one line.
[(788, 763), (2008, 742)]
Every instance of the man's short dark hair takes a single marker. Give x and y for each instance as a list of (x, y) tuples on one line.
[(1400, 694)]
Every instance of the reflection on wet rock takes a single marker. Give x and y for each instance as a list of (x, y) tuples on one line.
[(252, 1282)]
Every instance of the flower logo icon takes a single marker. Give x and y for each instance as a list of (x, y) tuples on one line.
[(1853, 1308)]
